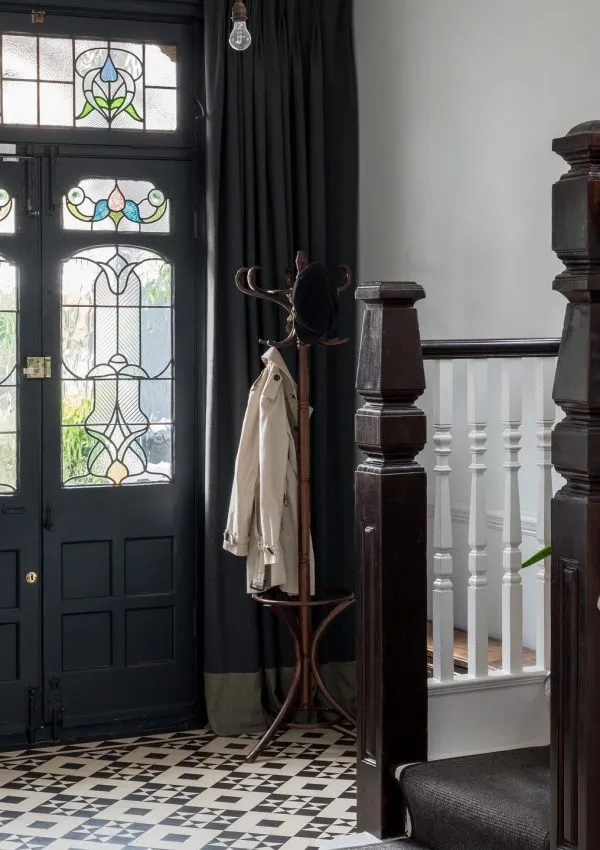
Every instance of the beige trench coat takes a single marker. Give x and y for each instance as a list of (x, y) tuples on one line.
[(262, 525)]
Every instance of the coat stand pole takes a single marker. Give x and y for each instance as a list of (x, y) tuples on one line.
[(296, 612)]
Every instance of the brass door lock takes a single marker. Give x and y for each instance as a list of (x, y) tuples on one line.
[(38, 368), (31, 578)]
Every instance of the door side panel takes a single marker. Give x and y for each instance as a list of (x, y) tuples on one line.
[(20, 417)]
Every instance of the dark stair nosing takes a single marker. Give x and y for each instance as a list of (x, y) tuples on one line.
[(405, 844), (495, 801)]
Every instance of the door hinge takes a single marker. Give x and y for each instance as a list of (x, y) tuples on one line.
[(38, 368), (32, 726), (55, 706)]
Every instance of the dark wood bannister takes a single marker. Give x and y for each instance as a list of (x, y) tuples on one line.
[(391, 529), (575, 713)]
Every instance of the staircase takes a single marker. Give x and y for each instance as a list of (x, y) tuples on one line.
[(512, 795), (496, 801)]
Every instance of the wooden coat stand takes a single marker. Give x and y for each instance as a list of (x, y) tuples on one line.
[(296, 612)]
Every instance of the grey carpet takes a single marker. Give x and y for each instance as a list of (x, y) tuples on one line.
[(395, 845), (497, 801)]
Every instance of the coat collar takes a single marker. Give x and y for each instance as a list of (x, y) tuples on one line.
[(273, 356)]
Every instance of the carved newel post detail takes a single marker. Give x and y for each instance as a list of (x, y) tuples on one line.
[(575, 592), (391, 535)]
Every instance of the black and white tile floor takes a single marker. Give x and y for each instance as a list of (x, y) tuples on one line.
[(180, 791)]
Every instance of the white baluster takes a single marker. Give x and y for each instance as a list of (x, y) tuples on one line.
[(477, 409), (545, 412), (512, 582), (443, 592)]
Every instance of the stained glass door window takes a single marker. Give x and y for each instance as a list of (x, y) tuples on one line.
[(8, 377), (109, 204), (117, 367), (63, 82)]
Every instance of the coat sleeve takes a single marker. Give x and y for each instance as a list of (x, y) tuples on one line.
[(273, 451), (243, 492)]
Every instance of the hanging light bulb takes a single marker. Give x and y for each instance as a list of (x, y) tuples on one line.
[(240, 38)]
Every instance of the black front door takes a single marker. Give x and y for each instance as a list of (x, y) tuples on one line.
[(97, 412), (117, 499)]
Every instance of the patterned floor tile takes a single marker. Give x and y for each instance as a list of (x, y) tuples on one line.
[(22, 801), (67, 804), (9, 841), (188, 790)]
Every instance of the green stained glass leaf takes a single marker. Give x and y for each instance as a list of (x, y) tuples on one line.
[(117, 102), (131, 110), (87, 108), (102, 102)]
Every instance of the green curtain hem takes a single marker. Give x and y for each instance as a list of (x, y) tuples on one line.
[(239, 703)]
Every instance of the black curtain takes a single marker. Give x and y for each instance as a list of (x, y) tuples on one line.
[(281, 176)]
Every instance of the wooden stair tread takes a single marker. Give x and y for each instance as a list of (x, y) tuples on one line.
[(461, 656)]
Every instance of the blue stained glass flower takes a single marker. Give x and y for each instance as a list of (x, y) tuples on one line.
[(131, 212), (109, 83), (109, 73), (101, 211)]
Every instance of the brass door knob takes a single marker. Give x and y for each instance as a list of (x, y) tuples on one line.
[(31, 578)]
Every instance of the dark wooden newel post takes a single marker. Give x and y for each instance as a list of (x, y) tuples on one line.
[(391, 537), (575, 768)]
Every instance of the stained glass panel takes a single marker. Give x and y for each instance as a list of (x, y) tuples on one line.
[(56, 104), (8, 377), (60, 82), (117, 366), (7, 218), (19, 102), (56, 60), (124, 205), (19, 57)]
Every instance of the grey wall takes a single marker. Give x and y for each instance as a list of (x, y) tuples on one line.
[(459, 103)]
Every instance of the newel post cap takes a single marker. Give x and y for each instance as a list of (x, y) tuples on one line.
[(406, 293), (580, 143)]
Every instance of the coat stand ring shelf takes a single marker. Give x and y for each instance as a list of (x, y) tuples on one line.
[(296, 612)]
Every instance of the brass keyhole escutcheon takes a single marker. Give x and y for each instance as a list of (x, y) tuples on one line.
[(31, 578)]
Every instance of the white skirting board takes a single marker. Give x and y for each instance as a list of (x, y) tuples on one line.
[(501, 713)]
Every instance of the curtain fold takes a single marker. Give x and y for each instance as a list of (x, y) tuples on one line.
[(281, 176)]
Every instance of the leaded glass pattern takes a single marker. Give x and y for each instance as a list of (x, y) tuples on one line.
[(117, 367), (7, 212), (64, 82), (124, 205), (9, 311)]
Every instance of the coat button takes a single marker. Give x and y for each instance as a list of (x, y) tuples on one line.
[(276, 377)]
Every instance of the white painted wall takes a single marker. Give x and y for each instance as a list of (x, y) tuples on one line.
[(459, 103)]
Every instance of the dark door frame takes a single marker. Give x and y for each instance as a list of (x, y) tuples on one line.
[(186, 11)]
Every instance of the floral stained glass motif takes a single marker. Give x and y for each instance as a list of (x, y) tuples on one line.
[(8, 378), (117, 368), (101, 204), (7, 212), (109, 82), (63, 82)]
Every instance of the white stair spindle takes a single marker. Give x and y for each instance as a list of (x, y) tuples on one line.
[(545, 412), (477, 409), (512, 582), (443, 591)]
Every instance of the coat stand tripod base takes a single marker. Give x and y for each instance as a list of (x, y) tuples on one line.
[(296, 612), (306, 678)]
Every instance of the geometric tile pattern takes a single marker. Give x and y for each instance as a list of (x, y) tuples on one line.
[(180, 791)]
